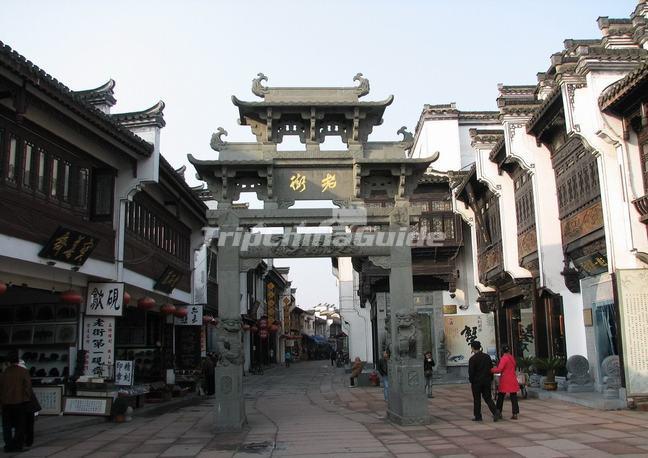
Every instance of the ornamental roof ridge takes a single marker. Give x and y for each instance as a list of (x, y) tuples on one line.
[(313, 102), (464, 115), (108, 86), (624, 86), (152, 115), (44, 81), (516, 90), (485, 136), (178, 178), (555, 94), (323, 94), (499, 146)]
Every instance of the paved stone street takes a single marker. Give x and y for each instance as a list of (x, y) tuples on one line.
[(308, 410)]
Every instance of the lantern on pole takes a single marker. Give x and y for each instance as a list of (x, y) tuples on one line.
[(3, 288), (181, 312), (145, 303), (127, 298), (71, 297), (167, 309)]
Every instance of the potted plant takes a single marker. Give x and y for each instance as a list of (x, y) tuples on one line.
[(525, 364), (550, 366)]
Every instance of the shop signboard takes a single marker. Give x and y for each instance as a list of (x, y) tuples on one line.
[(50, 398), (632, 294), (99, 342), (124, 373), (168, 280), (105, 299), (194, 316), (69, 246), (462, 330), (87, 406)]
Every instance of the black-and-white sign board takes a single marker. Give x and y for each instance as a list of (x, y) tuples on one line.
[(105, 299), (193, 318), (124, 373), (87, 406)]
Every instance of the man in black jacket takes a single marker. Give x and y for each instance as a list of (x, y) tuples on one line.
[(480, 376)]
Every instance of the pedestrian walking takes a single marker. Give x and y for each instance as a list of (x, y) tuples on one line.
[(209, 377), (288, 358), (31, 411), (508, 382), (15, 393), (356, 370), (481, 378), (383, 370), (333, 357), (428, 364)]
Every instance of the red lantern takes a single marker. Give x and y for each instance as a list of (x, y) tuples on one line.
[(263, 333), (167, 309), (246, 327), (208, 319), (274, 328), (3, 288), (71, 297), (253, 329), (127, 298), (263, 323), (181, 312), (146, 303)]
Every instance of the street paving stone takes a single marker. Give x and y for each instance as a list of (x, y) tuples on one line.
[(307, 411)]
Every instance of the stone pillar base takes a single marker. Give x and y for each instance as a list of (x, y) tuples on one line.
[(580, 388), (229, 411), (408, 404)]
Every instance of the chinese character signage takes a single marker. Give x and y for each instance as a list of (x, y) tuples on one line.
[(69, 246), (124, 373), (168, 280), (105, 299), (99, 342), (462, 330), (313, 184), (193, 318)]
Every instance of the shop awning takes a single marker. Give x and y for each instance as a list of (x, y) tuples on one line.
[(320, 340)]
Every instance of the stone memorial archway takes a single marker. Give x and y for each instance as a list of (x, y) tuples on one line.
[(348, 178)]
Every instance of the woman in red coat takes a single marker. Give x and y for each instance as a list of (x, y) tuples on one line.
[(508, 382)]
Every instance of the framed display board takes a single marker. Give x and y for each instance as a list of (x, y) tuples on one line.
[(50, 398), (87, 406)]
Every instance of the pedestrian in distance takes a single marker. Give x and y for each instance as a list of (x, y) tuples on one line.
[(288, 358), (15, 393), (31, 411), (356, 370), (508, 382), (208, 375), (383, 370), (428, 365), (481, 378), (333, 357)]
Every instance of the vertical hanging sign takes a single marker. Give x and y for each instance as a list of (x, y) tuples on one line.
[(194, 316), (123, 373), (98, 341)]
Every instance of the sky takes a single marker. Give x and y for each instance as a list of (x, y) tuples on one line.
[(195, 55)]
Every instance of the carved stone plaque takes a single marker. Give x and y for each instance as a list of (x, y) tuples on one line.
[(632, 291)]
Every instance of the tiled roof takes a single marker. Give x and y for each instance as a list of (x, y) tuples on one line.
[(155, 113), (623, 87), (54, 88)]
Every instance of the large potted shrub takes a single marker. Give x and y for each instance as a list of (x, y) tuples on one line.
[(550, 366)]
